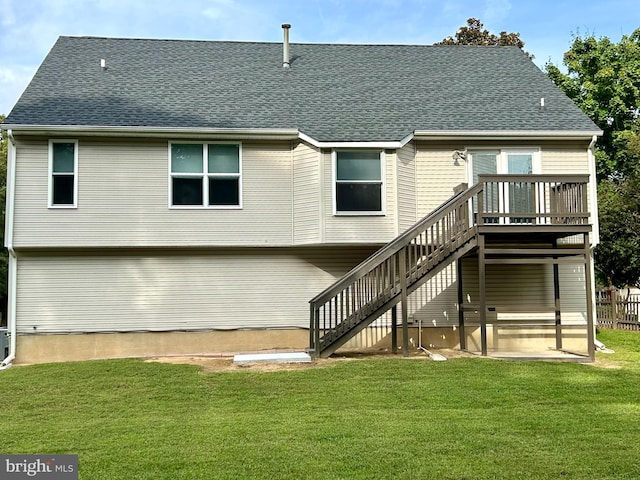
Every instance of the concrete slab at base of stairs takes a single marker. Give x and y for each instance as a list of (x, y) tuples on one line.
[(295, 357)]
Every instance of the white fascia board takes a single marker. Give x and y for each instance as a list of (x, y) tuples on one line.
[(90, 130), (385, 145), (502, 134)]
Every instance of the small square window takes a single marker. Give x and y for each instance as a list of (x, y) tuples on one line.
[(187, 191), (224, 159), (186, 158), (224, 191)]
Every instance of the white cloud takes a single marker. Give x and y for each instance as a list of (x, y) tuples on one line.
[(219, 9), (496, 11), (213, 13), (7, 14), (13, 79)]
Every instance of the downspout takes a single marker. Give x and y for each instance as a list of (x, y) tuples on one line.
[(595, 232), (594, 191), (13, 259)]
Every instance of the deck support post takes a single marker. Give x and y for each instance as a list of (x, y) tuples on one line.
[(404, 302), (556, 296), (591, 347), (463, 337), (394, 329), (482, 294), (314, 330)]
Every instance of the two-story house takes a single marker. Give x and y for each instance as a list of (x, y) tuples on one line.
[(188, 197)]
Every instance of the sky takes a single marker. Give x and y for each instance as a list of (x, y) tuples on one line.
[(29, 28)]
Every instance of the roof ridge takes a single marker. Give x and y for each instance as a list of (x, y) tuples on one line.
[(276, 42)]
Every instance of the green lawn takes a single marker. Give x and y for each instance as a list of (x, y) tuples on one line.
[(467, 418)]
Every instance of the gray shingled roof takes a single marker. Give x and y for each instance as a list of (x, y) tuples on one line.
[(331, 92)]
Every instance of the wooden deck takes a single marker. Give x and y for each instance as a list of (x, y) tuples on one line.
[(503, 219)]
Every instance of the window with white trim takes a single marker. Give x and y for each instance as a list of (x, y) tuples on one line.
[(359, 185), (63, 173), (205, 175)]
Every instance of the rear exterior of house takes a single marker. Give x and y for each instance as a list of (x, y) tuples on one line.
[(178, 197)]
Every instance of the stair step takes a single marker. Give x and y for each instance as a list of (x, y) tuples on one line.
[(429, 243)]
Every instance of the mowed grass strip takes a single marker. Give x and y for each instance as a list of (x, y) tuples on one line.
[(467, 418)]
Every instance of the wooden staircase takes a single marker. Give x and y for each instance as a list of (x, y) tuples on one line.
[(544, 203)]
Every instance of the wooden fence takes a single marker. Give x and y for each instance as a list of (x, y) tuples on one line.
[(618, 310)]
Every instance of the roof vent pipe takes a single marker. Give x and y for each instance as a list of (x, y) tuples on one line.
[(285, 49)]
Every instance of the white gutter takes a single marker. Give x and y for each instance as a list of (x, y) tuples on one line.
[(291, 134), (389, 145), (164, 132), (595, 222), (13, 259), (501, 134)]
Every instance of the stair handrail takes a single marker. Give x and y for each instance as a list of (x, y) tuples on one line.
[(396, 245), (564, 202)]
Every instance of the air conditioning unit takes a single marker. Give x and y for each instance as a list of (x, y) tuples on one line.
[(4, 344)]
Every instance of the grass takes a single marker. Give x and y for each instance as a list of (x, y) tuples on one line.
[(367, 419)]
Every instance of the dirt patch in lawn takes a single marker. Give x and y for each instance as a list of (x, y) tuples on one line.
[(225, 363)]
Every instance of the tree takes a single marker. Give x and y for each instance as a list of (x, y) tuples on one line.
[(603, 79), (618, 254), (474, 33)]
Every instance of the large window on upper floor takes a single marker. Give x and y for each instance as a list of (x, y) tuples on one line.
[(358, 182), (205, 175), (63, 173)]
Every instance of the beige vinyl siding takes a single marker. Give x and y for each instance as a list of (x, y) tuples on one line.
[(306, 195), (563, 160), (225, 289), (508, 286), (573, 294), (360, 228), (407, 213), (123, 199), (436, 175), (528, 284), (435, 303)]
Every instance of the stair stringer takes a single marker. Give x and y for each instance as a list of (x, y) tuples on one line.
[(341, 339)]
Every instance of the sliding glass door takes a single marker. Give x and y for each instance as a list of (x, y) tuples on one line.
[(512, 197)]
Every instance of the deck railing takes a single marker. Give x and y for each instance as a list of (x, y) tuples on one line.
[(373, 287), (533, 200)]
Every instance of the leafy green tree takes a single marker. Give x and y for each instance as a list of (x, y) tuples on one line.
[(618, 254), (474, 33), (603, 79)]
